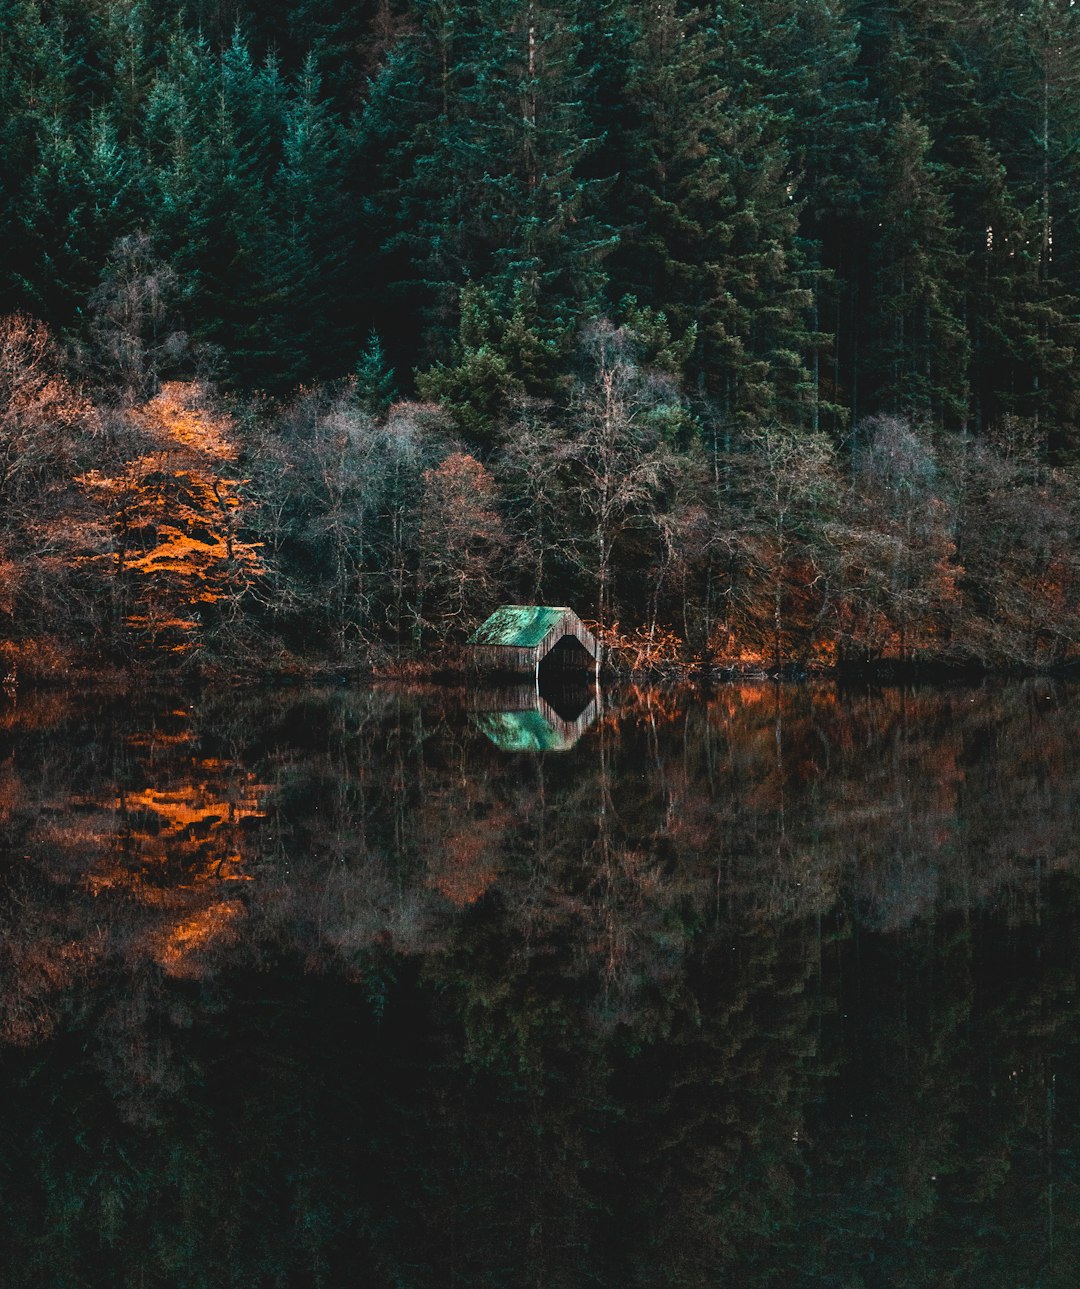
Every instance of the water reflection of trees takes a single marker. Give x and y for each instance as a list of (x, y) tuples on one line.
[(776, 980)]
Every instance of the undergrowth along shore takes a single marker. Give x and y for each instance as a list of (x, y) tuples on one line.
[(43, 665)]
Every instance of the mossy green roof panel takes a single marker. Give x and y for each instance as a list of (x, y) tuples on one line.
[(517, 626), (521, 732)]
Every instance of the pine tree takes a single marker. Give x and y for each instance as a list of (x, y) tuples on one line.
[(808, 75), (83, 196), (1051, 34), (306, 290), (484, 181), (130, 49), (215, 128), (919, 359), (177, 139), (714, 221), (995, 91), (375, 388), (31, 90), (242, 147)]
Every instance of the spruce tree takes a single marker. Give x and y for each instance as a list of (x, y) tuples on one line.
[(375, 388), (177, 138), (310, 324), (215, 125), (714, 217), (918, 361), (484, 181), (1051, 40), (28, 91)]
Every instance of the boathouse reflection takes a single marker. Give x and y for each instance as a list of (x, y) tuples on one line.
[(524, 718)]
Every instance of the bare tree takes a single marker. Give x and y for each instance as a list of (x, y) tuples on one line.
[(616, 458), (771, 524), (339, 494), (531, 482), (896, 544), (1018, 537), (136, 334), (39, 409), (41, 415)]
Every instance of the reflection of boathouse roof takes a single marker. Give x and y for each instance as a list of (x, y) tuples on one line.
[(521, 732), (522, 720)]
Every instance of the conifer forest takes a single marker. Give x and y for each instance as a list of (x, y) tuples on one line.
[(748, 329)]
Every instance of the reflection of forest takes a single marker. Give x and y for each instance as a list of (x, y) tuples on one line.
[(767, 987)]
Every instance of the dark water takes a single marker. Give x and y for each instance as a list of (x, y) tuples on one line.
[(329, 988)]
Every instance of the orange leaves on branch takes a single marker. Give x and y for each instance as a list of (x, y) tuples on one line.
[(181, 417), (461, 537), (645, 648), (175, 519)]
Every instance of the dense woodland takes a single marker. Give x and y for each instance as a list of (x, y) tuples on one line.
[(748, 329)]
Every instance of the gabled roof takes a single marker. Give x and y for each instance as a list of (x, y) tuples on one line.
[(518, 626)]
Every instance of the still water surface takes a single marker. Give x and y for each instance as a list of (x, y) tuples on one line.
[(771, 986)]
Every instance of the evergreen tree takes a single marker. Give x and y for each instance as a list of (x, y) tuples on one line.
[(131, 37), (215, 127), (375, 388), (484, 182), (82, 197), (242, 147), (919, 359), (32, 89), (807, 71), (712, 196), (1051, 35), (310, 326), (176, 133)]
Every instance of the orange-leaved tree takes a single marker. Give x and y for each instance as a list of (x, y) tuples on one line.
[(461, 543), (171, 524)]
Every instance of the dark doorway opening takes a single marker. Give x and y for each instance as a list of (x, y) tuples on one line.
[(567, 657)]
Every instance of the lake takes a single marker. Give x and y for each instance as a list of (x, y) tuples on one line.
[(770, 985)]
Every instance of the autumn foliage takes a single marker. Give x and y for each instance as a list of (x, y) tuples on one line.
[(170, 523), (332, 532)]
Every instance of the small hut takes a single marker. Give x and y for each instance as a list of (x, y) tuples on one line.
[(519, 637)]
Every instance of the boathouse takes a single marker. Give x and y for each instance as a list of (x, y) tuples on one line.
[(519, 638)]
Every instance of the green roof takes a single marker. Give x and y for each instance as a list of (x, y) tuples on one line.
[(521, 732), (519, 626)]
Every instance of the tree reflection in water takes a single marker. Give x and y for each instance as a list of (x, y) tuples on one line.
[(769, 986)]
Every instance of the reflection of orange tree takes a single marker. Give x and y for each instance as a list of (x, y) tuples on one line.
[(172, 523), (464, 827), (194, 825), (140, 871)]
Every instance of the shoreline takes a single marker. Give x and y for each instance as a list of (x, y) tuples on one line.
[(456, 672)]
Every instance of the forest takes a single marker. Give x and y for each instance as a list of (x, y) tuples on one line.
[(749, 330)]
